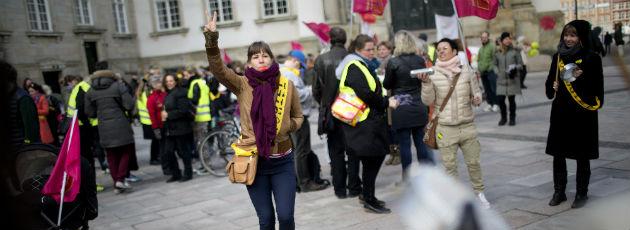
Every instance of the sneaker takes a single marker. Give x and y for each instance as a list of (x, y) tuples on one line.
[(495, 108), (106, 171), (132, 178), (99, 188), (482, 199), (122, 185), (311, 186), (487, 108)]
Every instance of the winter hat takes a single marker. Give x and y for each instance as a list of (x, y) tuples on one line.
[(583, 29), (504, 35), (300, 56)]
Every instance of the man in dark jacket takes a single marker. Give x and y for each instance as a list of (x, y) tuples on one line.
[(325, 88), (23, 122), (607, 41), (110, 101)]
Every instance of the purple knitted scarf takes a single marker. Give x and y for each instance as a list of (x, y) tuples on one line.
[(263, 111)]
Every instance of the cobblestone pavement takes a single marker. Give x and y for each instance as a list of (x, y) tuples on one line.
[(517, 174)]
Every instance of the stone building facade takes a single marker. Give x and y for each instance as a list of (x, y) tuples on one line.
[(46, 39)]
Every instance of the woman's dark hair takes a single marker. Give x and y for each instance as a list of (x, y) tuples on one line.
[(258, 47), (359, 42), (337, 36), (450, 42), (24, 85), (36, 87), (174, 78), (69, 78), (389, 45)]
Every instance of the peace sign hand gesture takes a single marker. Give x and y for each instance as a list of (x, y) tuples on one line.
[(212, 22)]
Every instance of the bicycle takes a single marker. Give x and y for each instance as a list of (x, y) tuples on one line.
[(215, 150)]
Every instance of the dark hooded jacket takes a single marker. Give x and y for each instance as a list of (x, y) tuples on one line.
[(110, 101), (573, 130), (180, 112)]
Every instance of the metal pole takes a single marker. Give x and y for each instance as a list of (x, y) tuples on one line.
[(461, 32), (63, 191), (575, 7), (351, 18)]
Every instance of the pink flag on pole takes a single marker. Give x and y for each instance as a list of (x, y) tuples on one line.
[(320, 29), (295, 45), (486, 9), (69, 162), (226, 58), (369, 6)]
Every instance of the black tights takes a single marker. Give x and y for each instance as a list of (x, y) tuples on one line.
[(501, 102)]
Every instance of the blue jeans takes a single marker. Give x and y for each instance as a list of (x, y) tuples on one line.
[(275, 176), (423, 153)]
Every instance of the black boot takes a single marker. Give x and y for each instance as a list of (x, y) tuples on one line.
[(502, 121), (512, 119), (173, 179), (379, 202), (580, 200), (557, 198), (371, 205)]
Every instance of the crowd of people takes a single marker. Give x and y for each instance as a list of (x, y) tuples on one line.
[(275, 96)]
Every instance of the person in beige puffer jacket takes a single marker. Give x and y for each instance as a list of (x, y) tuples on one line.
[(456, 127)]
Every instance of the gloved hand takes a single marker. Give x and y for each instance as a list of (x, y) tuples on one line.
[(157, 133)]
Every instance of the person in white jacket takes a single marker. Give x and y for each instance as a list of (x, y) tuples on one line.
[(456, 128)]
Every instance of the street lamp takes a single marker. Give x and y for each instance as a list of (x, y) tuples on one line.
[(576, 15)]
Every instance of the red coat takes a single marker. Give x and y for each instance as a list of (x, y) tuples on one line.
[(42, 112), (155, 105)]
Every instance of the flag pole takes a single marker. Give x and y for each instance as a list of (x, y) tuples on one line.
[(65, 174), (461, 32), (351, 17), (63, 188)]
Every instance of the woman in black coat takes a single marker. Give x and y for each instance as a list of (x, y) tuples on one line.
[(178, 117), (410, 117), (573, 130), (368, 139)]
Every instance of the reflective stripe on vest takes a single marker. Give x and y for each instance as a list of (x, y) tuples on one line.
[(143, 113), (431, 52), (72, 101), (368, 76), (202, 113)]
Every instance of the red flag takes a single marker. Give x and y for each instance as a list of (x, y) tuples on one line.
[(320, 29), (295, 45), (68, 163), (226, 58), (486, 9), (369, 6)]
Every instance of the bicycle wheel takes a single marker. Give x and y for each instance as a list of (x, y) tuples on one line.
[(215, 152)]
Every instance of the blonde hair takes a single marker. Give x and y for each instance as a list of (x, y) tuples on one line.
[(404, 43)]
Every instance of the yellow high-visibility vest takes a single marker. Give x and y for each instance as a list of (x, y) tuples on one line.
[(203, 106), (347, 90), (431, 52), (143, 113), (72, 101)]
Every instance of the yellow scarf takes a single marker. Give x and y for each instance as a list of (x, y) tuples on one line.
[(574, 95)]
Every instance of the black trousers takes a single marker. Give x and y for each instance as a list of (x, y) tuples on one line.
[(155, 149), (302, 147), (371, 166), (181, 144), (501, 102), (560, 175), (341, 169)]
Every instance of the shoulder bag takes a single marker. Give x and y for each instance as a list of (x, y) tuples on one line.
[(429, 130)]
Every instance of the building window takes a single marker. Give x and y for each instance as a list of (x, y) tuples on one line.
[(38, 15), (120, 16), (83, 12), (167, 14), (224, 9), (273, 8)]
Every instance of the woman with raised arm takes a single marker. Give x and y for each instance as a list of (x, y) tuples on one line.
[(576, 85), (270, 110)]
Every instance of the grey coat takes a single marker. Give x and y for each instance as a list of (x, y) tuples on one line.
[(505, 85), (108, 99)]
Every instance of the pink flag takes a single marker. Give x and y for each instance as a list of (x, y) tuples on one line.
[(486, 9), (295, 45), (369, 6), (320, 29), (226, 58), (69, 163)]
